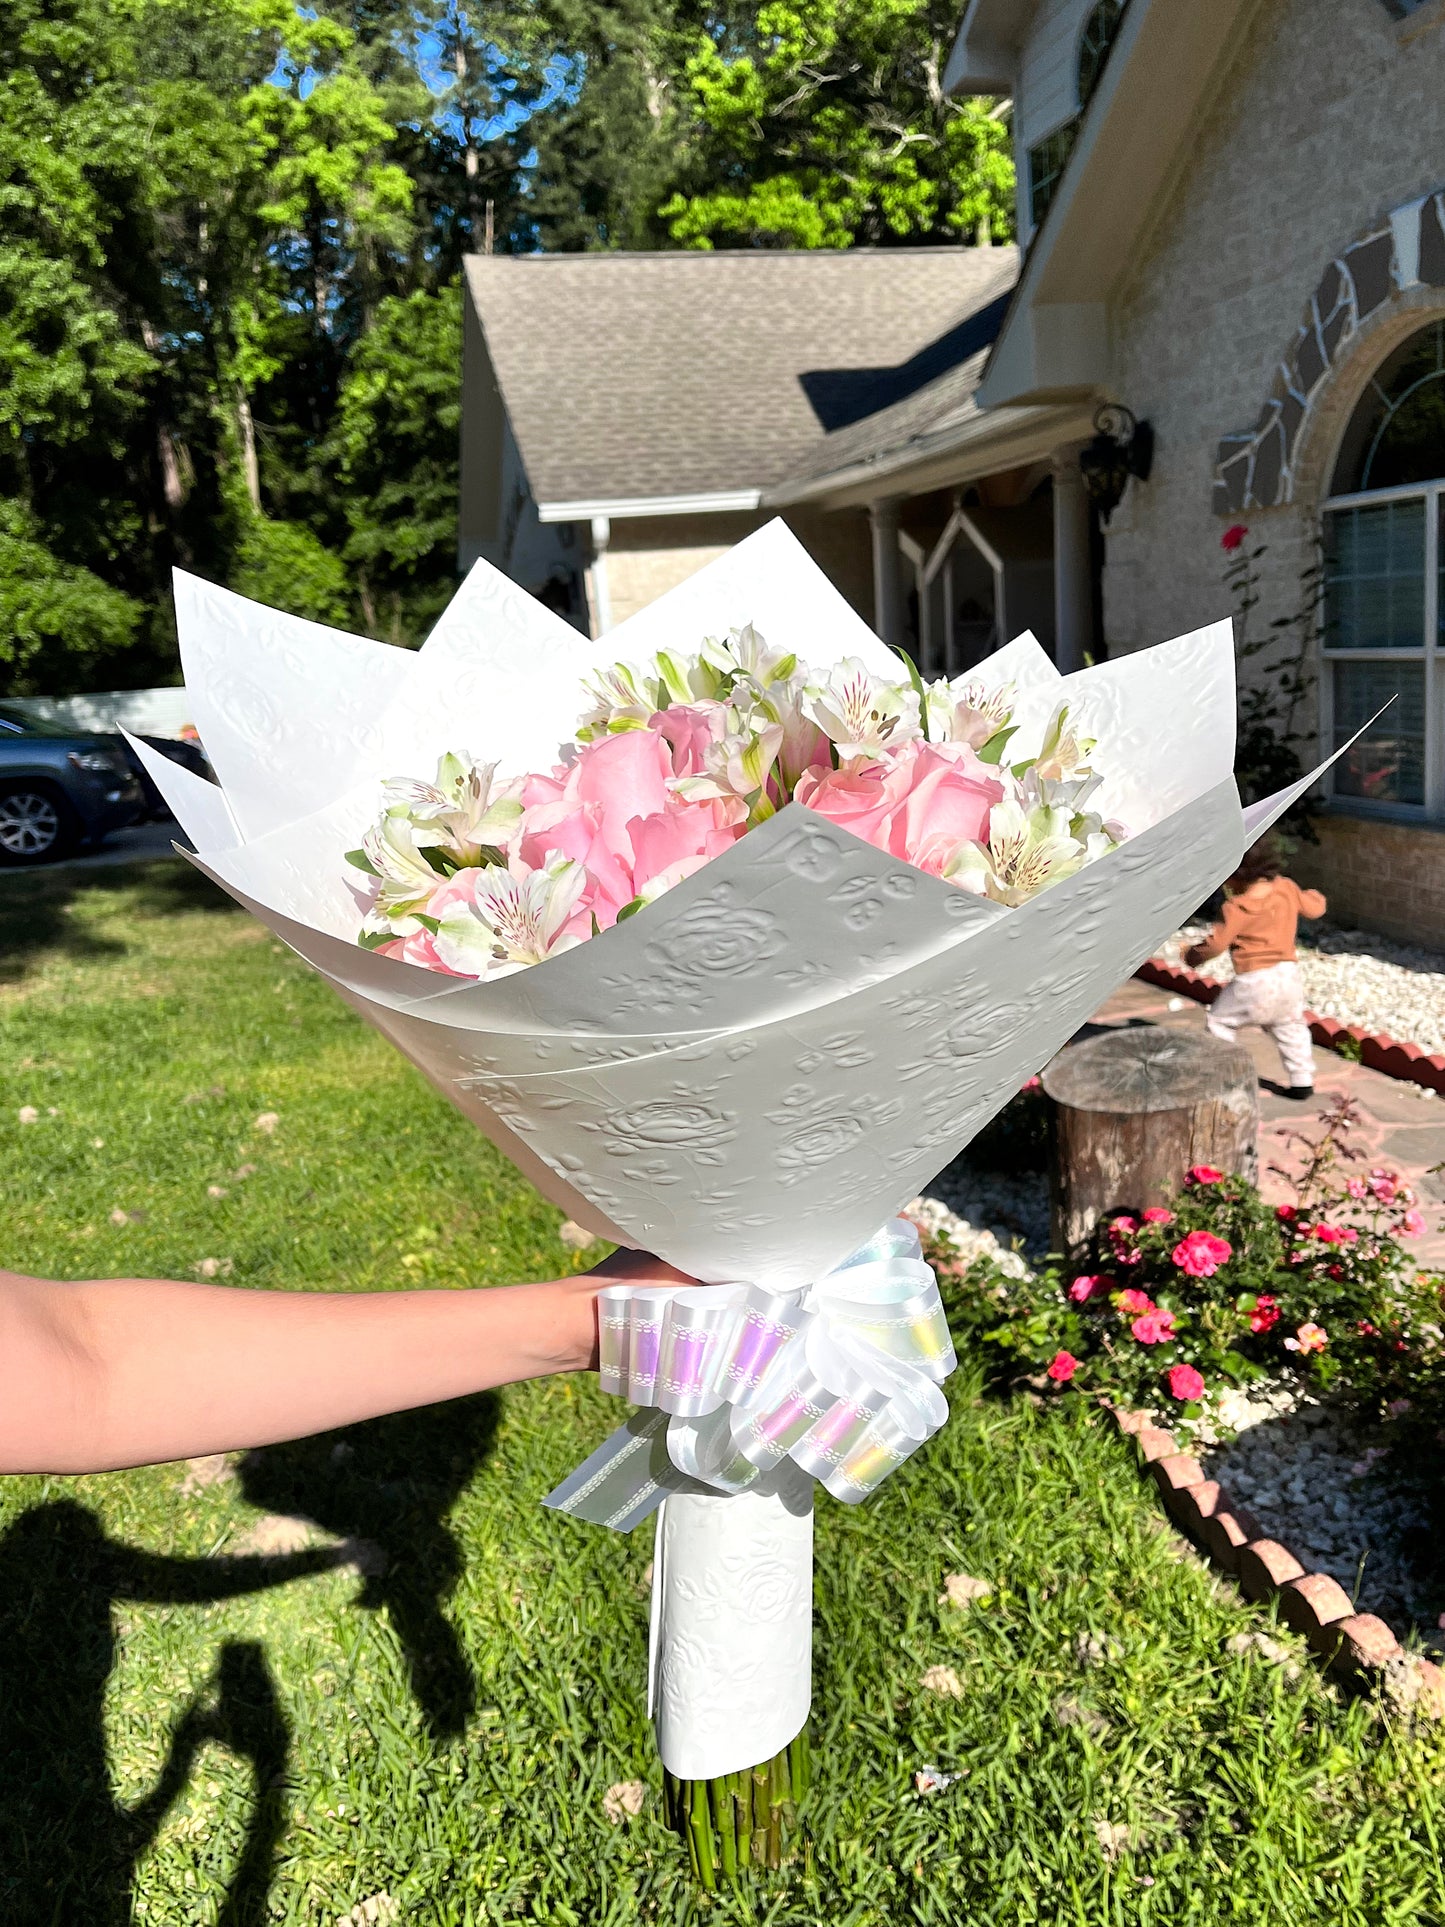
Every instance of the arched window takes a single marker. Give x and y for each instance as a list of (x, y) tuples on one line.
[(1383, 606), (1094, 43)]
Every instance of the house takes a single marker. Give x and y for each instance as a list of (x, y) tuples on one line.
[(627, 416), (1229, 315)]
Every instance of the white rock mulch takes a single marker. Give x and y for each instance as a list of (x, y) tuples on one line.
[(1356, 977)]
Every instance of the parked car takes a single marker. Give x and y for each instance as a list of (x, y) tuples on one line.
[(60, 788), (187, 753)]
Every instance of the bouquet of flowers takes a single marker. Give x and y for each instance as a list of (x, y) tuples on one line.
[(477, 873), (730, 969)]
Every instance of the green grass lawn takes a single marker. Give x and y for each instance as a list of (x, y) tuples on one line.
[(193, 1732)]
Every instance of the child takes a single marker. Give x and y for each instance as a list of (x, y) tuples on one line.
[(1261, 913)]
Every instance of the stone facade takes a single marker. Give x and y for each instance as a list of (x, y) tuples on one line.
[(1258, 229)]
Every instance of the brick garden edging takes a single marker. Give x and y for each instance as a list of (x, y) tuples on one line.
[(1377, 1048), (1313, 1604)]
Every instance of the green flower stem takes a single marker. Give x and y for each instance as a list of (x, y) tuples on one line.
[(740, 1820)]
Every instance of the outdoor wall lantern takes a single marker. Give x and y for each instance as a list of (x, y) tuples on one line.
[(1121, 447)]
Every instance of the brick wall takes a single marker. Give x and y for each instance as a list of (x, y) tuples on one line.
[(1379, 876)]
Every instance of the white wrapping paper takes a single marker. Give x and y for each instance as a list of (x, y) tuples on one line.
[(753, 1073)]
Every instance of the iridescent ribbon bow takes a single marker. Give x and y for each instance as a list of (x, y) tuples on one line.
[(841, 1377)]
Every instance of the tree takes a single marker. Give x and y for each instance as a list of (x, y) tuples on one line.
[(820, 123)]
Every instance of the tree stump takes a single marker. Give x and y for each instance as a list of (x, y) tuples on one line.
[(1133, 1111)]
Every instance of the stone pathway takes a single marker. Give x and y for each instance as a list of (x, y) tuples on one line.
[(1401, 1128)]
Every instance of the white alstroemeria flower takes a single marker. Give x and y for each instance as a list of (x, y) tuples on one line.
[(1028, 849), (742, 763), (622, 696), (392, 853), (514, 918), (860, 714), (962, 711), (467, 813), (1065, 754)]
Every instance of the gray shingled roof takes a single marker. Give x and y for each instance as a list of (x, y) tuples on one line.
[(675, 374)]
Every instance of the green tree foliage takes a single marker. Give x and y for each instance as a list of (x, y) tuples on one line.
[(819, 123), (231, 239)]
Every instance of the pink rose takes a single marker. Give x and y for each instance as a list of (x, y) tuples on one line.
[(1185, 1382), (918, 803), (1413, 1223), (1135, 1301), (1154, 1328), (1335, 1234), (1233, 536), (1156, 1214), (1265, 1315), (1063, 1367), (1201, 1254), (690, 730), (1204, 1174), (1119, 1226), (1384, 1188), (1091, 1285)]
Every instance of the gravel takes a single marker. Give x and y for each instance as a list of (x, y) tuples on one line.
[(1359, 978), (1309, 1471), (1012, 1209)]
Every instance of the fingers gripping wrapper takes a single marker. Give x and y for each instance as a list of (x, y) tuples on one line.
[(841, 1378)]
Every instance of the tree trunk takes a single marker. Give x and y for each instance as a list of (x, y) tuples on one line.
[(1133, 1111), (250, 464)]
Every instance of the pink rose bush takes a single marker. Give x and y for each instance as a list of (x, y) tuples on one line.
[(477, 872), (1173, 1305)]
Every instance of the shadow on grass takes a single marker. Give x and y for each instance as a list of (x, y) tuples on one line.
[(37, 909), (392, 1482), (68, 1847)]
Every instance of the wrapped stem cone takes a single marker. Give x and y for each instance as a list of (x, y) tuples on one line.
[(732, 1626)]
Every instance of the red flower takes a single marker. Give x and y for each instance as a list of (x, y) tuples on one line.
[(1204, 1174), (1232, 537), (1366, 1329), (1284, 1212), (1135, 1301), (1185, 1382), (1335, 1234), (1154, 1328), (1156, 1214), (1063, 1367), (1265, 1315), (1090, 1285), (1119, 1227), (1201, 1254), (1031, 1084)]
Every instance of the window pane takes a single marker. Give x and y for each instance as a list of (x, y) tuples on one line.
[(1047, 162), (1375, 577), (1388, 763)]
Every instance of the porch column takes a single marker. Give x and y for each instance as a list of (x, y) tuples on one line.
[(601, 597), (887, 570), (1073, 594)]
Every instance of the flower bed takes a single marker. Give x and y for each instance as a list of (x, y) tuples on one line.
[(1179, 1305)]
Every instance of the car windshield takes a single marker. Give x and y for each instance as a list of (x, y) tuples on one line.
[(15, 721)]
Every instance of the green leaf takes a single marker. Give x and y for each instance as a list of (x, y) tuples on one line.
[(361, 861)]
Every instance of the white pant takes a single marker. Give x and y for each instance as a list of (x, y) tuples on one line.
[(1274, 999)]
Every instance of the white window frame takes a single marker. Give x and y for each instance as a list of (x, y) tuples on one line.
[(1429, 653)]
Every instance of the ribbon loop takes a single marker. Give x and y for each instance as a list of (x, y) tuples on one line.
[(842, 1378)]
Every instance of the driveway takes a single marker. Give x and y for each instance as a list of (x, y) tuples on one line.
[(140, 844)]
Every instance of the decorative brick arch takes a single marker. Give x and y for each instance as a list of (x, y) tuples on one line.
[(1254, 468)]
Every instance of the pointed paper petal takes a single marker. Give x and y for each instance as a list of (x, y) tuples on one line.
[(770, 580), (198, 806), (289, 711)]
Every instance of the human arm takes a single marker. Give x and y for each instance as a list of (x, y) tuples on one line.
[(1216, 942), (1310, 903), (112, 1372)]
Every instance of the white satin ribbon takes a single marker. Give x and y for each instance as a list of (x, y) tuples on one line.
[(841, 1378)]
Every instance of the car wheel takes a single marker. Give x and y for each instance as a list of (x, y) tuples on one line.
[(37, 825)]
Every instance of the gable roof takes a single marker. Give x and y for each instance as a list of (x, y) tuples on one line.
[(662, 378)]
